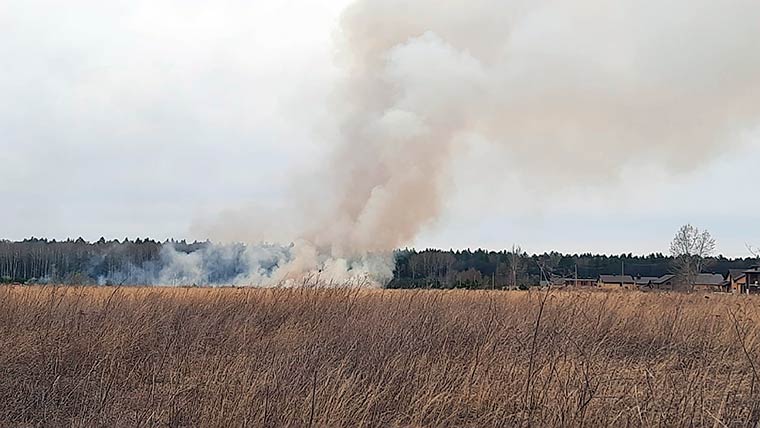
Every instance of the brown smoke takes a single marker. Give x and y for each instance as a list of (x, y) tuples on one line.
[(573, 89)]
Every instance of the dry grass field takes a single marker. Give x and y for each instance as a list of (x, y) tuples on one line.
[(80, 356)]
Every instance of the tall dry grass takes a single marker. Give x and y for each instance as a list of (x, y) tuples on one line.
[(277, 357)]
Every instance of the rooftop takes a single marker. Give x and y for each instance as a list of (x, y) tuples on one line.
[(663, 279), (709, 279), (624, 279)]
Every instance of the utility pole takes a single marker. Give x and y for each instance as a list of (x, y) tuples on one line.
[(622, 272), (576, 275), (513, 266)]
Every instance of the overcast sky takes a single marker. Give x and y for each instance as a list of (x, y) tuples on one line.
[(142, 118)]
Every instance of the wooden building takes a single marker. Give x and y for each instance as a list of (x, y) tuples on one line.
[(617, 282), (736, 281), (664, 282), (580, 282), (710, 282), (752, 280), (645, 281)]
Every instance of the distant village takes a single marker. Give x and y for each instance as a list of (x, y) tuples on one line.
[(736, 281)]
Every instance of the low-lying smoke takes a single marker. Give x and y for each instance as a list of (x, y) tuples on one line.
[(573, 90), (295, 265)]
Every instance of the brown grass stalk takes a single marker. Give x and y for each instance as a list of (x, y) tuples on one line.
[(123, 357)]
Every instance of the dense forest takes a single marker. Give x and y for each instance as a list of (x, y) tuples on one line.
[(81, 262), (126, 262)]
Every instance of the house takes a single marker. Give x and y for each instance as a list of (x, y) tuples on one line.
[(553, 282), (617, 282), (664, 282), (736, 281), (644, 281), (558, 282), (752, 278), (710, 282), (580, 282)]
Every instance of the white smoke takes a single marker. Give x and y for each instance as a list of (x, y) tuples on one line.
[(574, 90), (295, 265)]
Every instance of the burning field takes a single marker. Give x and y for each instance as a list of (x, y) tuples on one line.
[(103, 356)]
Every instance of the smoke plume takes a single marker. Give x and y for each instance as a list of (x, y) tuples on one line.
[(295, 265), (572, 91)]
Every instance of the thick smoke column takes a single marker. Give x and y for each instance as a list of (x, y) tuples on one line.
[(573, 91)]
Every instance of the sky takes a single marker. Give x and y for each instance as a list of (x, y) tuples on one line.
[(152, 118)]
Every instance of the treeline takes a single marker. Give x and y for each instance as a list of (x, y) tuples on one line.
[(116, 262), (81, 262), (516, 269)]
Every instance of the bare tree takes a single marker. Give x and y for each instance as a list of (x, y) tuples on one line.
[(547, 264), (690, 249), (754, 251)]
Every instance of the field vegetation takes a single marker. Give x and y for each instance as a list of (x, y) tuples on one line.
[(106, 356)]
